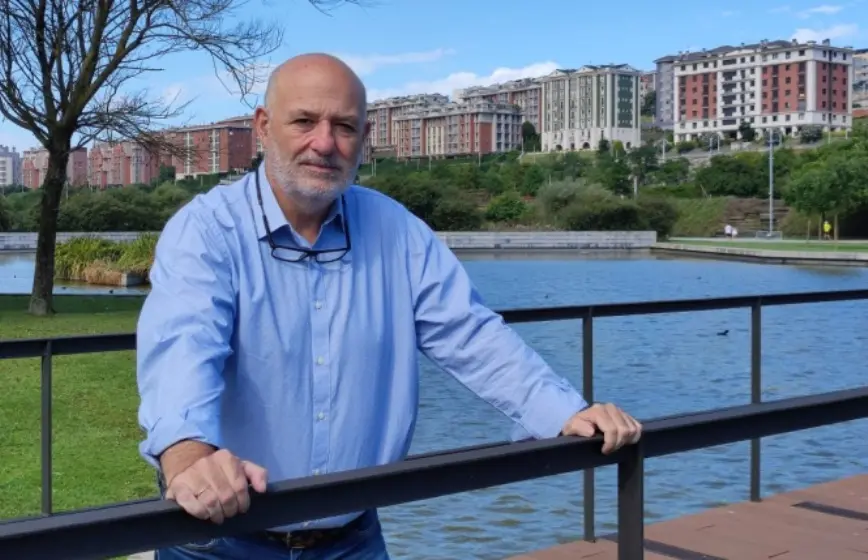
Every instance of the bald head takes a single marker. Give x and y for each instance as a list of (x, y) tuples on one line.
[(314, 67), (312, 127)]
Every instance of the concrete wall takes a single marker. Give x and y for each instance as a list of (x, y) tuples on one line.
[(488, 240), (483, 240), (795, 258), (27, 241)]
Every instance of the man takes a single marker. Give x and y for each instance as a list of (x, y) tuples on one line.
[(281, 331)]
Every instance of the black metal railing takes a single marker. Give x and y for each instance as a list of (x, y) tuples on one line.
[(146, 525), (48, 347)]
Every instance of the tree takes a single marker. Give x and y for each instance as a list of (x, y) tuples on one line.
[(747, 132), (529, 137), (68, 71), (834, 186), (5, 215), (649, 104)]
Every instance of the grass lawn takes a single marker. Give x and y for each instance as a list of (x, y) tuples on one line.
[(819, 246), (96, 434)]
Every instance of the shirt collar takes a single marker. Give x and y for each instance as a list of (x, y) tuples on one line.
[(275, 216)]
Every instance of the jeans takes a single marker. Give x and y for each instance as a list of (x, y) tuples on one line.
[(363, 543)]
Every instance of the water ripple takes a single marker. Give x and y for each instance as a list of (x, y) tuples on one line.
[(653, 366)]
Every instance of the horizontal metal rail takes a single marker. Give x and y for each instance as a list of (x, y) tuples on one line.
[(150, 524), (66, 345), (46, 348)]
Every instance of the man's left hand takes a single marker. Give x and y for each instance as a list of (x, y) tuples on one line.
[(618, 427)]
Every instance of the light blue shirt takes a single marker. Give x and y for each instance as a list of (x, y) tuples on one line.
[(308, 368)]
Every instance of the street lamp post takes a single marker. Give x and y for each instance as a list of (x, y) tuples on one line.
[(771, 181)]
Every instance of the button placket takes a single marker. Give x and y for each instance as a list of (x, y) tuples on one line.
[(321, 381)]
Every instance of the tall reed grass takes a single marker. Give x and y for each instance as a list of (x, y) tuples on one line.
[(99, 261)]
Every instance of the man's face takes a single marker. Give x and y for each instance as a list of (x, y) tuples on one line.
[(313, 131)]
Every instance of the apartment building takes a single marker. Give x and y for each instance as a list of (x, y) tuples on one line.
[(526, 93), (781, 85), (121, 163), (860, 77), (10, 167), (581, 107), (34, 166), (647, 83), (382, 115), (246, 121), (453, 129), (664, 109), (221, 147)]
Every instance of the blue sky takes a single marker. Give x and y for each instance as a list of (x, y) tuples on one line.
[(412, 46)]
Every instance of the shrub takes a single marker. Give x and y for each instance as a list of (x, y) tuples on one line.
[(658, 214), (507, 207), (99, 261)]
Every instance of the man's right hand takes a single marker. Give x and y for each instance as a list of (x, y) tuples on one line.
[(215, 486)]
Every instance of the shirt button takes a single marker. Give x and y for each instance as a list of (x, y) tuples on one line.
[(320, 361), (318, 304), (320, 416)]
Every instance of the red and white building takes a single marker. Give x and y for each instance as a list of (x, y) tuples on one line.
[(458, 129), (34, 167), (382, 115), (771, 85), (221, 147), (526, 93), (121, 163)]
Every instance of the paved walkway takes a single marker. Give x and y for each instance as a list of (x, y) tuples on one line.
[(824, 522)]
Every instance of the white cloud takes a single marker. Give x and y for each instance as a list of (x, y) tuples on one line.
[(825, 10), (834, 32), (363, 64), (460, 80), (366, 64)]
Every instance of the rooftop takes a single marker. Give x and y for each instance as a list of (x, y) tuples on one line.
[(723, 50)]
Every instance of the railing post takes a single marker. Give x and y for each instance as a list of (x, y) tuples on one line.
[(756, 342), (588, 490), (631, 504), (45, 394)]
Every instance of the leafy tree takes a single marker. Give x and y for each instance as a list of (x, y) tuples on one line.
[(643, 162), (5, 215), (532, 179), (672, 171), (603, 146), (747, 132), (67, 71), (507, 207), (810, 134), (530, 138), (728, 175), (649, 104), (833, 187), (613, 174)]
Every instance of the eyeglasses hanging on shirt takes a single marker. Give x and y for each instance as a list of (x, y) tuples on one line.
[(298, 254)]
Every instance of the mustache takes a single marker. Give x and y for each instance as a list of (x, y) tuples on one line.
[(322, 162)]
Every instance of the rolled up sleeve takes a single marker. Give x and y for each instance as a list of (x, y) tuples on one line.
[(183, 335), (460, 334)]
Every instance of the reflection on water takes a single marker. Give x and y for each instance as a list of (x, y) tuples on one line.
[(653, 366), (16, 277)]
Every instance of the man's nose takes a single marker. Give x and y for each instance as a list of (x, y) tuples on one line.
[(323, 138)]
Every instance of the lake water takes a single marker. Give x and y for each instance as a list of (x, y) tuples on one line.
[(652, 366)]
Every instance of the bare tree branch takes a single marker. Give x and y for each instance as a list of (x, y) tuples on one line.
[(67, 67)]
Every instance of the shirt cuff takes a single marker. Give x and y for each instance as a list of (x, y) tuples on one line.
[(169, 430), (548, 411)]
